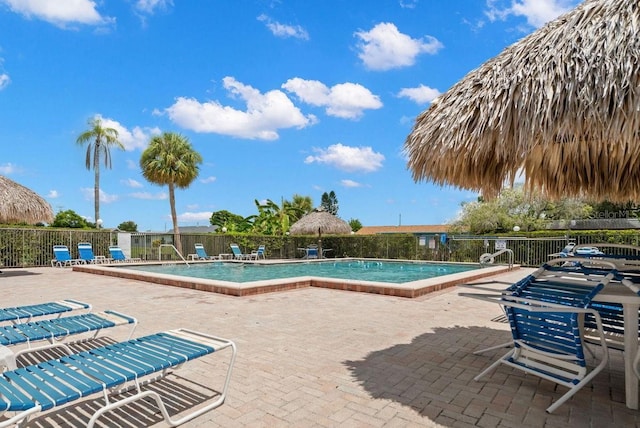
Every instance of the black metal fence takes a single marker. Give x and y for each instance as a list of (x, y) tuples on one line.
[(27, 247)]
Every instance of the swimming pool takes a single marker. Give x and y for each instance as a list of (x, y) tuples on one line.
[(364, 276), (363, 270)]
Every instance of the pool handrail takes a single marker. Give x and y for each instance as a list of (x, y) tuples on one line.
[(174, 249)]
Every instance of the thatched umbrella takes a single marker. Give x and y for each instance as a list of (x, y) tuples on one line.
[(21, 205), (561, 106), (318, 222)]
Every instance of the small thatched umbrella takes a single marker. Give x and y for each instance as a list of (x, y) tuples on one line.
[(21, 205), (318, 222), (561, 106)]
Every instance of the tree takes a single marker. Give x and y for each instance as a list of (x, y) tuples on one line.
[(274, 219), (232, 222), (171, 160), (69, 219), (302, 205), (128, 226), (513, 208), (98, 139), (329, 202), (355, 224)]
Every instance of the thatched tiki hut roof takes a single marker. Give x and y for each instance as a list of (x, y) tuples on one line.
[(320, 222), (21, 205), (561, 105)]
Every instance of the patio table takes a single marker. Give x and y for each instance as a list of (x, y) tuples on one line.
[(617, 293)]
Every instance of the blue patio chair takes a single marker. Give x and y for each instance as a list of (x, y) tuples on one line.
[(108, 370), (238, 254), (545, 312), (62, 257), (259, 253), (85, 250), (312, 252), (202, 254), (565, 252), (117, 255)]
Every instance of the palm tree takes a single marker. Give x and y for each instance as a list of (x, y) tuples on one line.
[(99, 140), (170, 159), (302, 205)]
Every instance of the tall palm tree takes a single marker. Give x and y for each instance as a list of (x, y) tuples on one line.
[(99, 139), (170, 159)]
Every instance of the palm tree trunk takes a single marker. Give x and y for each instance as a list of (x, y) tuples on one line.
[(96, 185), (174, 216)]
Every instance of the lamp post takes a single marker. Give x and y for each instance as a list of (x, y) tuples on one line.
[(99, 223)]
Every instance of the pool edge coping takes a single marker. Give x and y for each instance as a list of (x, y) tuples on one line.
[(409, 290)]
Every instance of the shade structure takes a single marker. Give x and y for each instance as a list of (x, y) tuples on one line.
[(320, 222), (560, 106), (19, 204)]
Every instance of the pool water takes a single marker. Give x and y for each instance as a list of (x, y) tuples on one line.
[(362, 270)]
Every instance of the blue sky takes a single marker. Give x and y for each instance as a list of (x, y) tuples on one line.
[(280, 97)]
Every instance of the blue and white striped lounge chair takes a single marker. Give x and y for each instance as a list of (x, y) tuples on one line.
[(238, 254), (27, 391), (56, 331), (62, 257), (259, 253), (85, 250), (117, 255), (202, 253), (545, 311), (22, 314)]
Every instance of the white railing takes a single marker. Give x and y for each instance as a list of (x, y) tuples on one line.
[(174, 249)]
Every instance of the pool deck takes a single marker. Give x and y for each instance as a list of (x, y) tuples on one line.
[(317, 357), (409, 289)]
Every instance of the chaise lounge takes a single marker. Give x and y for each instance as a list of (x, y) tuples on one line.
[(106, 371)]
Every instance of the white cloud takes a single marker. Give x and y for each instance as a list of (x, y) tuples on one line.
[(191, 217), (60, 13), (345, 100), (53, 194), (137, 138), (104, 196), (130, 182), (150, 6), (408, 4), (265, 113), (8, 169), (350, 183), (4, 81), (208, 180), (283, 30), (536, 12), (132, 164), (421, 95), (149, 196), (348, 158), (384, 47)]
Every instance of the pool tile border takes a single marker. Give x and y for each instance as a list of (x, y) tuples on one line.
[(409, 290)]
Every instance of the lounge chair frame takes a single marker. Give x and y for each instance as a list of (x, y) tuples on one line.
[(109, 371), (63, 257), (118, 256), (202, 253), (22, 314), (56, 333)]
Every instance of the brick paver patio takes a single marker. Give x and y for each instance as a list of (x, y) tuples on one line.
[(323, 358)]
